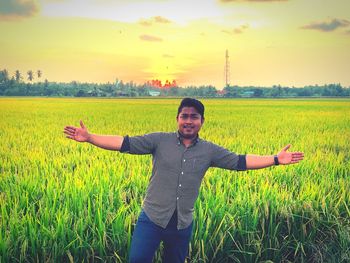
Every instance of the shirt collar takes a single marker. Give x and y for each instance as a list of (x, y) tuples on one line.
[(180, 138)]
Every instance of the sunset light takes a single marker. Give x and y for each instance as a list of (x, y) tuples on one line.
[(292, 42)]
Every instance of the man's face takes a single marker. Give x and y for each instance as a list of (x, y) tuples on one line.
[(189, 122)]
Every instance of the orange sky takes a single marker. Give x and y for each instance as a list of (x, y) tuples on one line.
[(290, 42)]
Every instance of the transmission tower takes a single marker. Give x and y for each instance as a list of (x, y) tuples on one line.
[(227, 70)]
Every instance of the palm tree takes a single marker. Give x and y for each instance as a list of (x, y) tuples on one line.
[(18, 76), (39, 73), (4, 75), (30, 75)]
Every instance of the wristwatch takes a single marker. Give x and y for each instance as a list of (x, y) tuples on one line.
[(275, 158)]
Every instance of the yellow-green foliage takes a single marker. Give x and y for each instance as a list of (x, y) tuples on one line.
[(66, 201)]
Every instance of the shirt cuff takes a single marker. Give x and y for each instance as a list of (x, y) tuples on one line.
[(125, 145), (242, 163)]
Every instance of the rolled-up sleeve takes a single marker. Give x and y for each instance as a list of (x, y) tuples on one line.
[(223, 158), (145, 144)]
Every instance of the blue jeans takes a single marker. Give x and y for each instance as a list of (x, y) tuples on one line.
[(147, 237)]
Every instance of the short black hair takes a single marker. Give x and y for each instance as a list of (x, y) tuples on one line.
[(190, 102)]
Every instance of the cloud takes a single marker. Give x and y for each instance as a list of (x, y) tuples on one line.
[(154, 20), (150, 38), (145, 22), (14, 9), (160, 19), (237, 30), (328, 26)]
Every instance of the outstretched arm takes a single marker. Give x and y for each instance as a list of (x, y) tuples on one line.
[(81, 134), (284, 157)]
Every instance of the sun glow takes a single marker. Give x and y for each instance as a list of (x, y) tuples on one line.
[(100, 41)]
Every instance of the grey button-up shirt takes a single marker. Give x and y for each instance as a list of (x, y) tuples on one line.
[(177, 173)]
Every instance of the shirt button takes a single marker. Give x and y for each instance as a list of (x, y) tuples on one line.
[(182, 172), (184, 160), (180, 185), (177, 198)]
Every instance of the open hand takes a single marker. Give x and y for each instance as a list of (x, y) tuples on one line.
[(78, 134), (285, 157)]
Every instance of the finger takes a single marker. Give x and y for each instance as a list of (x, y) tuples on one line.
[(297, 154), (297, 159), (68, 133), (286, 147), (70, 137), (82, 124), (69, 129)]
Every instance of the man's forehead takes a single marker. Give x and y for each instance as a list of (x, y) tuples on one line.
[(189, 110)]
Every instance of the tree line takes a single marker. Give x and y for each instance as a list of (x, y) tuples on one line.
[(16, 86)]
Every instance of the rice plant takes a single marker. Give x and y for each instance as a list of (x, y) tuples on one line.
[(65, 201)]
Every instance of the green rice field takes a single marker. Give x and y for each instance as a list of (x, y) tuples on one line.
[(64, 201)]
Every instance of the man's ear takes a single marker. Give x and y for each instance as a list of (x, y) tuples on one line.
[(202, 120)]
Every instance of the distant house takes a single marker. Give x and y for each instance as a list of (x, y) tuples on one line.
[(154, 93), (220, 93)]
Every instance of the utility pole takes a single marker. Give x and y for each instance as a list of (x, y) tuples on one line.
[(227, 70)]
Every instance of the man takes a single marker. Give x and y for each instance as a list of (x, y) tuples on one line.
[(180, 160)]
